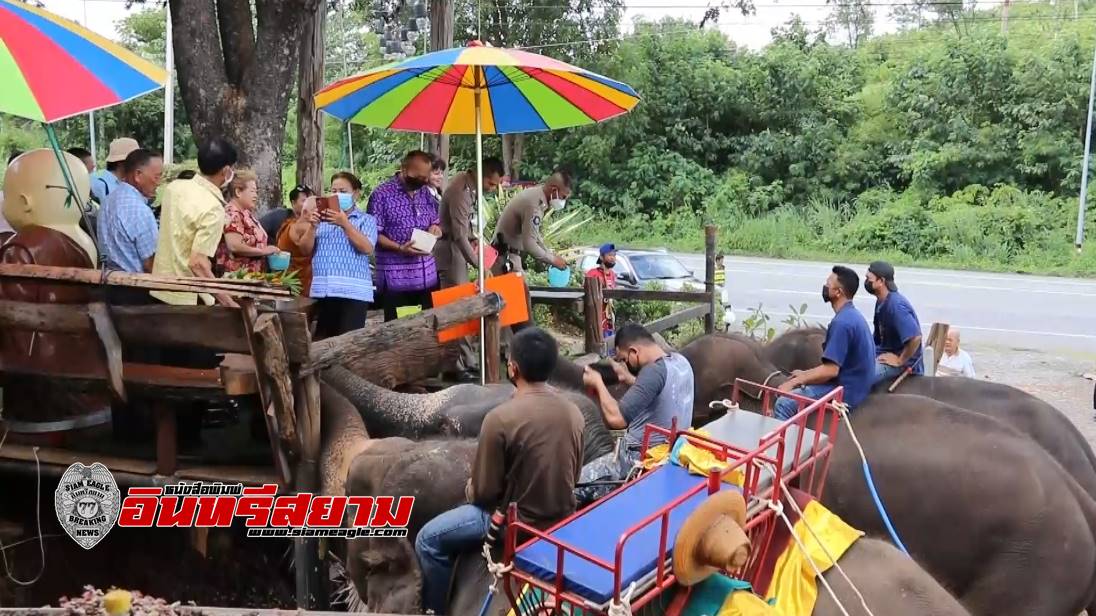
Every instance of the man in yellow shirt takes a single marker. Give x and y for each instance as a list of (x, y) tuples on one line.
[(192, 221)]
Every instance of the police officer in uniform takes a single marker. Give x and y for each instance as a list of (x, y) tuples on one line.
[(518, 229), (453, 251)]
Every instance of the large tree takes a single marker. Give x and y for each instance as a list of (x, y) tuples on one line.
[(237, 63)]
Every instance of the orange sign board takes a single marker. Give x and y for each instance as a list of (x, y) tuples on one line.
[(511, 287)]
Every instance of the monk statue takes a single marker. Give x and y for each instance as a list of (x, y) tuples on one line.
[(46, 220)]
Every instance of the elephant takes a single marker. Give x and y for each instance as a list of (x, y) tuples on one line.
[(890, 583), (1046, 425), (454, 412), (948, 478)]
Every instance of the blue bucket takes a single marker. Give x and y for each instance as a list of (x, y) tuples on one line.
[(559, 277), (278, 261)]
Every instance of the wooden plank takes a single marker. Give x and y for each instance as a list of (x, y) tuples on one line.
[(491, 340), (592, 310), (569, 294), (238, 375), (166, 437), (80, 275), (278, 449), (272, 361), (112, 346), (677, 318), (709, 277), (63, 458), (140, 375), (211, 327), (556, 298), (364, 342)]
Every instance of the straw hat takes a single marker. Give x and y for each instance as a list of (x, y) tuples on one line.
[(712, 539), (120, 149)]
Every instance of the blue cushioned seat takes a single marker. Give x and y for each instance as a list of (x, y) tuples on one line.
[(597, 530)]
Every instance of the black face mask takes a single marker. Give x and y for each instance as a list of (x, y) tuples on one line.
[(413, 183), (826, 294), (869, 287)]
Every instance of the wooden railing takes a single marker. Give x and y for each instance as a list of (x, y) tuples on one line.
[(592, 295)]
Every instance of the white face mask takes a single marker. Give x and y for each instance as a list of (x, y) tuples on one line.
[(231, 176), (557, 203)]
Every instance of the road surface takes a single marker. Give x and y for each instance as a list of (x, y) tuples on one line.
[(1013, 311)]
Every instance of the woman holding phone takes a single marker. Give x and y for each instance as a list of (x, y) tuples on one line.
[(345, 236)]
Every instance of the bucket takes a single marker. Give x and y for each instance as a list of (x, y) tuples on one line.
[(278, 261), (559, 277)]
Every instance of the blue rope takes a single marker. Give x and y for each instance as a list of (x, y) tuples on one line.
[(879, 506), (487, 602)]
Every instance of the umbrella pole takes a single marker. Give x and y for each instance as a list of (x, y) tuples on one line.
[(479, 223), (55, 145)]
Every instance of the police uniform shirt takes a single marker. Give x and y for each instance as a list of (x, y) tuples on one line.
[(519, 225)]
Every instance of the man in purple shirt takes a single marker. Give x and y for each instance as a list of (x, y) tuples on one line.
[(405, 275)]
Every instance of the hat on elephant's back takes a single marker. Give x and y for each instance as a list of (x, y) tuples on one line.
[(712, 539)]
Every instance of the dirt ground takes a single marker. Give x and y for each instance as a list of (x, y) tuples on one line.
[(1056, 378)]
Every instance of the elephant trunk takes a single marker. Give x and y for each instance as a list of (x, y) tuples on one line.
[(387, 413), (344, 437)]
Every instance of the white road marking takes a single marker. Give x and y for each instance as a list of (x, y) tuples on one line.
[(953, 285), (913, 271)]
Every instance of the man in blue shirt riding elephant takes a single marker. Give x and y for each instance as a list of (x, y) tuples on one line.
[(897, 329), (848, 353)]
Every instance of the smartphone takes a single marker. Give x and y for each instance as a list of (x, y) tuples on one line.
[(324, 203)]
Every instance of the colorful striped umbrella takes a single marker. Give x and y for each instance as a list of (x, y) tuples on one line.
[(436, 93), (53, 69)]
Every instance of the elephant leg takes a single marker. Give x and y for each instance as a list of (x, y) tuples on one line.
[(890, 582)]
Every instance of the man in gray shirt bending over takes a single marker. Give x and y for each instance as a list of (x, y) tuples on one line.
[(660, 390)]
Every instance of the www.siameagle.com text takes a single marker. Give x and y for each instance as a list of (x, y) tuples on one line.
[(349, 533)]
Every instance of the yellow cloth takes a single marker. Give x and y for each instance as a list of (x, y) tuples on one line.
[(697, 460), (793, 583), (192, 219), (406, 311), (745, 603)]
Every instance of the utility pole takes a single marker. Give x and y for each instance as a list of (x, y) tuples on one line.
[(169, 94), (1004, 18), (91, 114), (1088, 152)]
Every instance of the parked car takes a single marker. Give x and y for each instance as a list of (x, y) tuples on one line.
[(637, 269)]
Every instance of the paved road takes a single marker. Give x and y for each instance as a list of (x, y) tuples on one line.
[(1001, 310)]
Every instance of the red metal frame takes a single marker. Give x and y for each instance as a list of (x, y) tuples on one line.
[(759, 527)]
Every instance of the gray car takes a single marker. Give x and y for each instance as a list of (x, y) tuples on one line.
[(637, 269)]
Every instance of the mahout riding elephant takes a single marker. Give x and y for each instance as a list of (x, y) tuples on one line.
[(980, 505), (801, 349), (890, 582)]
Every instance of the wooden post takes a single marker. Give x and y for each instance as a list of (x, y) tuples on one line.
[(271, 394), (592, 305), (309, 565), (491, 340), (166, 431), (709, 277)]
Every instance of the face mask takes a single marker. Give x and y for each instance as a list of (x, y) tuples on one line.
[(633, 369), (557, 204), (231, 176), (346, 201), (826, 294), (510, 375), (869, 287), (413, 183)]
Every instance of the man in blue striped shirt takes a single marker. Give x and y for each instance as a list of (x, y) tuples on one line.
[(127, 227)]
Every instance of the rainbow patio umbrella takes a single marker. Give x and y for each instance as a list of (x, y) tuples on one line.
[(52, 69), (476, 90)]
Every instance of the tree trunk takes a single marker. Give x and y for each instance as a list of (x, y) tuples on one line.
[(441, 37), (235, 80), (309, 121)]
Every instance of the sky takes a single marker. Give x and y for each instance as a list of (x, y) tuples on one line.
[(751, 31)]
